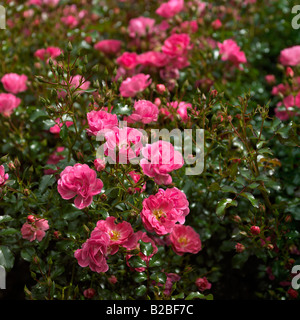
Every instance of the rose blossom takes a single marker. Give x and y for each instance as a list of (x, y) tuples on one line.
[(176, 44), (185, 239), (171, 278), (163, 210), (14, 83), (34, 230), (131, 86), (140, 26), (119, 233), (128, 60), (203, 284), (93, 252), (144, 111), (101, 120), (57, 127), (50, 52), (99, 164), (170, 8), (54, 158), (160, 158), (108, 46), (153, 59), (76, 82), (290, 56), (229, 50), (126, 142), (80, 181), (3, 176), (89, 293), (8, 102)]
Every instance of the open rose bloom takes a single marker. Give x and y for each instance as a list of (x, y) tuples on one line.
[(163, 210), (14, 83), (81, 182), (160, 158), (35, 230)]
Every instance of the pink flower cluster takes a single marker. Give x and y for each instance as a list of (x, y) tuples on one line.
[(14, 84), (163, 210), (229, 50), (3, 175), (34, 228), (160, 158), (106, 239), (79, 181), (144, 111)]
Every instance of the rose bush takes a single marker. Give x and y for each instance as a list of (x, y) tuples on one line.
[(96, 202)]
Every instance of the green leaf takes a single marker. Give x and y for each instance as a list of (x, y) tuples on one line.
[(8, 231), (46, 181), (5, 218), (38, 113), (253, 185), (140, 277), (229, 189), (251, 198), (223, 204), (6, 257), (141, 290), (146, 248), (195, 295), (137, 262), (214, 187), (158, 277), (63, 132), (155, 261), (179, 296), (28, 253)]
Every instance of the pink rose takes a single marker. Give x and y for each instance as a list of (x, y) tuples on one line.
[(270, 78), (170, 8), (229, 50), (14, 83), (290, 56), (123, 144), (99, 164), (131, 86), (160, 158), (171, 278), (54, 158), (119, 233), (101, 120), (163, 210), (144, 111), (56, 128), (128, 60), (203, 284), (140, 235), (93, 252), (8, 102), (50, 52), (3, 175), (176, 45), (70, 21), (181, 109), (216, 24), (141, 26), (108, 46), (153, 59), (185, 239), (34, 230), (80, 181)]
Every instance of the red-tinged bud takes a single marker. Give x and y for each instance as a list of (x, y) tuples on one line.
[(31, 218), (237, 219), (288, 218), (160, 88), (11, 166), (56, 234), (292, 293), (131, 190), (89, 293), (99, 164), (157, 102), (289, 72), (255, 230), (239, 247), (270, 247), (113, 279), (103, 197)]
